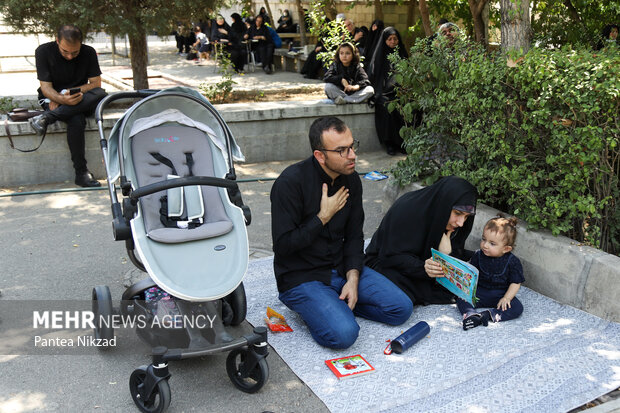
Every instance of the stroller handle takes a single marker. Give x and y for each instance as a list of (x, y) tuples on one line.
[(186, 181), (121, 95)]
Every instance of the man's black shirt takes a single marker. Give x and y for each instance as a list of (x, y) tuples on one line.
[(305, 249), (63, 73)]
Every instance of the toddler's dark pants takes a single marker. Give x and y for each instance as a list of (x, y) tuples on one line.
[(489, 299)]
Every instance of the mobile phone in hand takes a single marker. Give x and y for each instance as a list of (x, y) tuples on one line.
[(74, 90)]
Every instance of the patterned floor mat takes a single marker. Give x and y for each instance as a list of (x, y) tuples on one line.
[(552, 359)]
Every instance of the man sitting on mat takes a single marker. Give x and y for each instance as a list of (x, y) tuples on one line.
[(317, 223)]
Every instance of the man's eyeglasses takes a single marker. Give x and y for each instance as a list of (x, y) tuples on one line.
[(344, 152)]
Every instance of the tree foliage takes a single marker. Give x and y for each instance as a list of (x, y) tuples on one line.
[(540, 140), (331, 32), (134, 18), (559, 22)]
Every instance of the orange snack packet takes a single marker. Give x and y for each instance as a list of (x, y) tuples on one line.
[(276, 322)]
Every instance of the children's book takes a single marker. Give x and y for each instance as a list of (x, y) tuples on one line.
[(350, 366), (461, 278)]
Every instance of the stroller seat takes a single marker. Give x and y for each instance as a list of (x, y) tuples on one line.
[(183, 222), (178, 150), (194, 245)]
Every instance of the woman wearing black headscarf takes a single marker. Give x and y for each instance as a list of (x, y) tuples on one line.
[(263, 13), (223, 34), (374, 34), (285, 23), (237, 26), (609, 37), (264, 47), (360, 36), (388, 124), (439, 216)]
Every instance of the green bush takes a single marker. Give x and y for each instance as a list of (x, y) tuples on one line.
[(221, 91), (539, 140)]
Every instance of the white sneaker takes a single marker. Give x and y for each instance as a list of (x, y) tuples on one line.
[(339, 100)]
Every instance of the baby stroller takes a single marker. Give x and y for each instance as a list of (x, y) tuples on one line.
[(183, 222)]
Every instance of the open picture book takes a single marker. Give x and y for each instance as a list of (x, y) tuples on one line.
[(461, 278)]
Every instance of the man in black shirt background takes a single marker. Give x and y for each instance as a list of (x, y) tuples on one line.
[(317, 220), (70, 79)]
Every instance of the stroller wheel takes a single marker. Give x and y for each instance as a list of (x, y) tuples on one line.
[(239, 305), (102, 309), (249, 382), (158, 401)]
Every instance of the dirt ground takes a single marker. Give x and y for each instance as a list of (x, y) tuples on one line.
[(275, 97)]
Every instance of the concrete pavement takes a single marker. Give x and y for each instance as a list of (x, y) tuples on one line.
[(58, 246)]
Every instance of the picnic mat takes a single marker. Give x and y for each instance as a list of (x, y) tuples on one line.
[(552, 359)]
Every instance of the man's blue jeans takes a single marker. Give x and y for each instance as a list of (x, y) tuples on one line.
[(330, 320)]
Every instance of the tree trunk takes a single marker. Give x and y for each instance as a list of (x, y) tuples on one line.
[(139, 59), (426, 20), (411, 15), (485, 22), (476, 7), (378, 10), (516, 28), (301, 17)]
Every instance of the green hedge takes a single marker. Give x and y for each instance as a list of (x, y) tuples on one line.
[(539, 140)]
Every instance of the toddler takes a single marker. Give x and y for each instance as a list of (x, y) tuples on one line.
[(501, 275)]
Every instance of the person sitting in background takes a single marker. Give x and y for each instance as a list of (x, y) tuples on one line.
[(450, 32), (237, 26), (383, 80), (264, 15), (222, 33), (184, 37), (285, 23), (264, 47), (609, 37), (345, 80), (376, 28), (359, 38), (350, 26), (312, 65), (70, 79)]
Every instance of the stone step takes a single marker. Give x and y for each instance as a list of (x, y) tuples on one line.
[(265, 131)]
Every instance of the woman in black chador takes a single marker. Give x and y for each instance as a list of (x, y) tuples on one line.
[(374, 34), (439, 216), (388, 124), (223, 34)]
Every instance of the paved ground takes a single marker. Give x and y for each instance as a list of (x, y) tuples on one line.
[(59, 245), (163, 62)]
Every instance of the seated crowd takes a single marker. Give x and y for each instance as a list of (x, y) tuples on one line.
[(359, 72)]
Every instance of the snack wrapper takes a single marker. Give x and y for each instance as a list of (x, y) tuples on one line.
[(276, 322)]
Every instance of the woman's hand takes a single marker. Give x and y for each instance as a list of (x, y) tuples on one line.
[(433, 269)]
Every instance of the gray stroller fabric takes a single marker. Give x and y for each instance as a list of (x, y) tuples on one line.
[(173, 141)]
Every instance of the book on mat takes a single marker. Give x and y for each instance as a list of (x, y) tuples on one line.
[(461, 278), (349, 366)]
